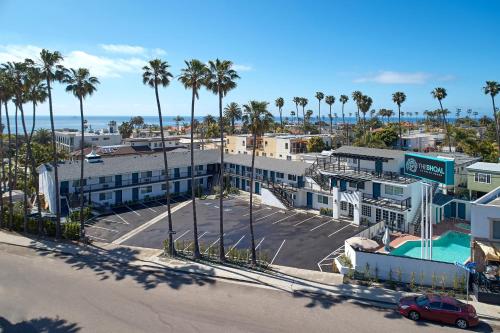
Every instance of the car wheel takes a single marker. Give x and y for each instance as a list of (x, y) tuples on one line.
[(414, 315), (462, 323)]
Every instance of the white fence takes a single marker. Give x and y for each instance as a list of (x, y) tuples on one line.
[(372, 231)]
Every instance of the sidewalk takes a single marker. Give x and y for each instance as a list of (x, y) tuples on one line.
[(299, 282)]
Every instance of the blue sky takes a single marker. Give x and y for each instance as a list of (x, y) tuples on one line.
[(280, 48)]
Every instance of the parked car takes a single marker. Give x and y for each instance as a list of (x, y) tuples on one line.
[(438, 308)]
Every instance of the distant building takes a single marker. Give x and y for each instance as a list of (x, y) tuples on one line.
[(421, 141), (482, 178), (154, 142), (69, 140)]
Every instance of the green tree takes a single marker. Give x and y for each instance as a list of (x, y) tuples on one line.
[(356, 97), (492, 88), (222, 79), (319, 96), (369, 140), (178, 119), (233, 112), (156, 74), (365, 104), (42, 136), (315, 144), (330, 100), (488, 151), (194, 77), (303, 102), (389, 135), (126, 129), (399, 98), (440, 94), (258, 119), (137, 121), (81, 84), (279, 104), (296, 101), (343, 99)]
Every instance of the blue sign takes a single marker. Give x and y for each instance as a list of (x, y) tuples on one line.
[(435, 169), (469, 267)]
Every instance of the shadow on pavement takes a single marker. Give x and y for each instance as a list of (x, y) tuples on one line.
[(35, 325)]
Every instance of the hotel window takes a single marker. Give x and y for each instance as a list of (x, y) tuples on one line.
[(482, 178), (146, 174), (147, 189), (265, 143), (343, 205), (378, 215), (393, 190), (76, 183), (286, 145), (292, 177), (385, 215), (104, 180), (495, 230), (401, 220), (323, 199), (243, 143), (280, 175), (366, 210), (105, 196)]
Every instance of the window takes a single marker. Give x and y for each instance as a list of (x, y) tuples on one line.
[(401, 220), (422, 300), (366, 210), (393, 190), (289, 158), (354, 160), (292, 177), (343, 205), (280, 175), (495, 233), (359, 185), (146, 174), (482, 178), (435, 305), (243, 143), (104, 180), (105, 196), (323, 199), (200, 167), (163, 187), (105, 139), (76, 183), (378, 215), (286, 145), (450, 307), (94, 139), (385, 215), (265, 143), (147, 189)]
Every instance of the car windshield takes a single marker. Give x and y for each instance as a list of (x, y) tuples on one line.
[(422, 300)]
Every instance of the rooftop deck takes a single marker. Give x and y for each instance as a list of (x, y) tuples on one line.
[(343, 171)]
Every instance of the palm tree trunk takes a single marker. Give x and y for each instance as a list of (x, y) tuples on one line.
[(2, 169), (34, 173), (25, 176), (331, 125), (11, 206), (281, 118), (400, 131), (343, 123), (222, 253), (165, 163), (232, 125), (196, 252), (54, 161), (495, 118), (319, 116), (445, 125), (304, 119), (252, 236), (16, 153), (82, 155)]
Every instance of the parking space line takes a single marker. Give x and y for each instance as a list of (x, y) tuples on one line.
[(183, 234), (106, 220), (96, 227), (151, 209), (309, 218), (333, 233), (199, 237), (277, 252), (283, 219), (232, 247), (319, 226), (263, 217), (132, 210), (162, 203), (256, 211), (99, 238), (260, 243), (216, 241), (121, 218), (333, 252)]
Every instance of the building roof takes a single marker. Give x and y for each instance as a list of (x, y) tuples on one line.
[(268, 163), (70, 170), (370, 152), (484, 166), (459, 158)]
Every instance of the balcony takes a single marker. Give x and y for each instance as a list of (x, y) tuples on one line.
[(400, 205), (364, 174)]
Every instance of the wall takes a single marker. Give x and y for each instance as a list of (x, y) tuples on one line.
[(481, 216), (47, 187), (269, 199), (385, 263)]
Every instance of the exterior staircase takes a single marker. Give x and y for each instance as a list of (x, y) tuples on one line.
[(280, 193)]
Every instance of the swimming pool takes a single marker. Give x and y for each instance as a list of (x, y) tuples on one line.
[(450, 247)]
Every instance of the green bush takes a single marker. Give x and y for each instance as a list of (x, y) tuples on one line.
[(71, 230), (326, 211), (345, 261)]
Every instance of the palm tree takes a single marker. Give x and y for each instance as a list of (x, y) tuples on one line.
[(319, 96), (440, 94), (303, 102), (233, 112), (194, 77), (292, 113), (364, 105), (6, 94), (81, 84), (343, 99), (492, 88), (178, 119), (399, 98), (51, 72), (258, 120), (296, 101), (222, 79), (279, 104), (156, 74), (356, 97), (330, 100)]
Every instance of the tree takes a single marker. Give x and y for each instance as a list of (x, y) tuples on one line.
[(194, 77), (330, 100), (488, 151), (6, 94), (315, 145), (42, 136), (178, 119), (296, 101), (258, 119), (343, 99), (292, 114), (492, 88), (81, 84), (319, 96), (52, 72), (221, 79), (233, 112), (440, 94), (365, 104), (389, 135), (303, 102), (356, 97), (126, 129), (279, 104), (156, 74), (370, 140), (137, 121), (399, 98)]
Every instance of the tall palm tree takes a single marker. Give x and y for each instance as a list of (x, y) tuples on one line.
[(292, 113), (356, 97), (81, 84), (279, 104), (364, 105), (51, 72), (258, 119), (330, 100), (221, 79), (156, 74), (194, 77), (399, 98), (343, 99), (440, 94), (319, 96), (6, 94), (492, 88), (303, 102), (296, 101), (178, 119), (233, 112)]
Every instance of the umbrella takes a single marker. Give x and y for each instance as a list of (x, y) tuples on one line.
[(362, 243), (386, 239)]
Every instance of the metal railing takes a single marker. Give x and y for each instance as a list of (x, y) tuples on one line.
[(365, 173), (402, 205)]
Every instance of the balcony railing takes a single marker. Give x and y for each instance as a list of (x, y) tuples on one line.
[(401, 205), (368, 174)]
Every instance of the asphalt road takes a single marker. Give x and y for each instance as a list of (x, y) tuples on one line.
[(40, 292)]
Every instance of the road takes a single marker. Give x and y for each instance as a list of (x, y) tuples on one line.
[(42, 292)]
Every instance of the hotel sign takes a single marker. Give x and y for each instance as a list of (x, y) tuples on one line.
[(431, 168)]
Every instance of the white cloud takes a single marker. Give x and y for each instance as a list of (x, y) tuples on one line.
[(159, 52), (242, 68), (391, 77), (123, 48), (18, 52)]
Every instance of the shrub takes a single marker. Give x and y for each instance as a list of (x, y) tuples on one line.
[(326, 211), (400, 275), (71, 230), (345, 261), (412, 280)]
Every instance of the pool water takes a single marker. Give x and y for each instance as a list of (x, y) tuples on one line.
[(450, 247)]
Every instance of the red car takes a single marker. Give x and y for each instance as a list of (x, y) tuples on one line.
[(438, 308)]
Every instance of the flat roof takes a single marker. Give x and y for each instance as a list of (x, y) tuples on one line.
[(268, 163), (484, 166), (375, 153)]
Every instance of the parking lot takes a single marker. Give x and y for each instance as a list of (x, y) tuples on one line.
[(289, 237)]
